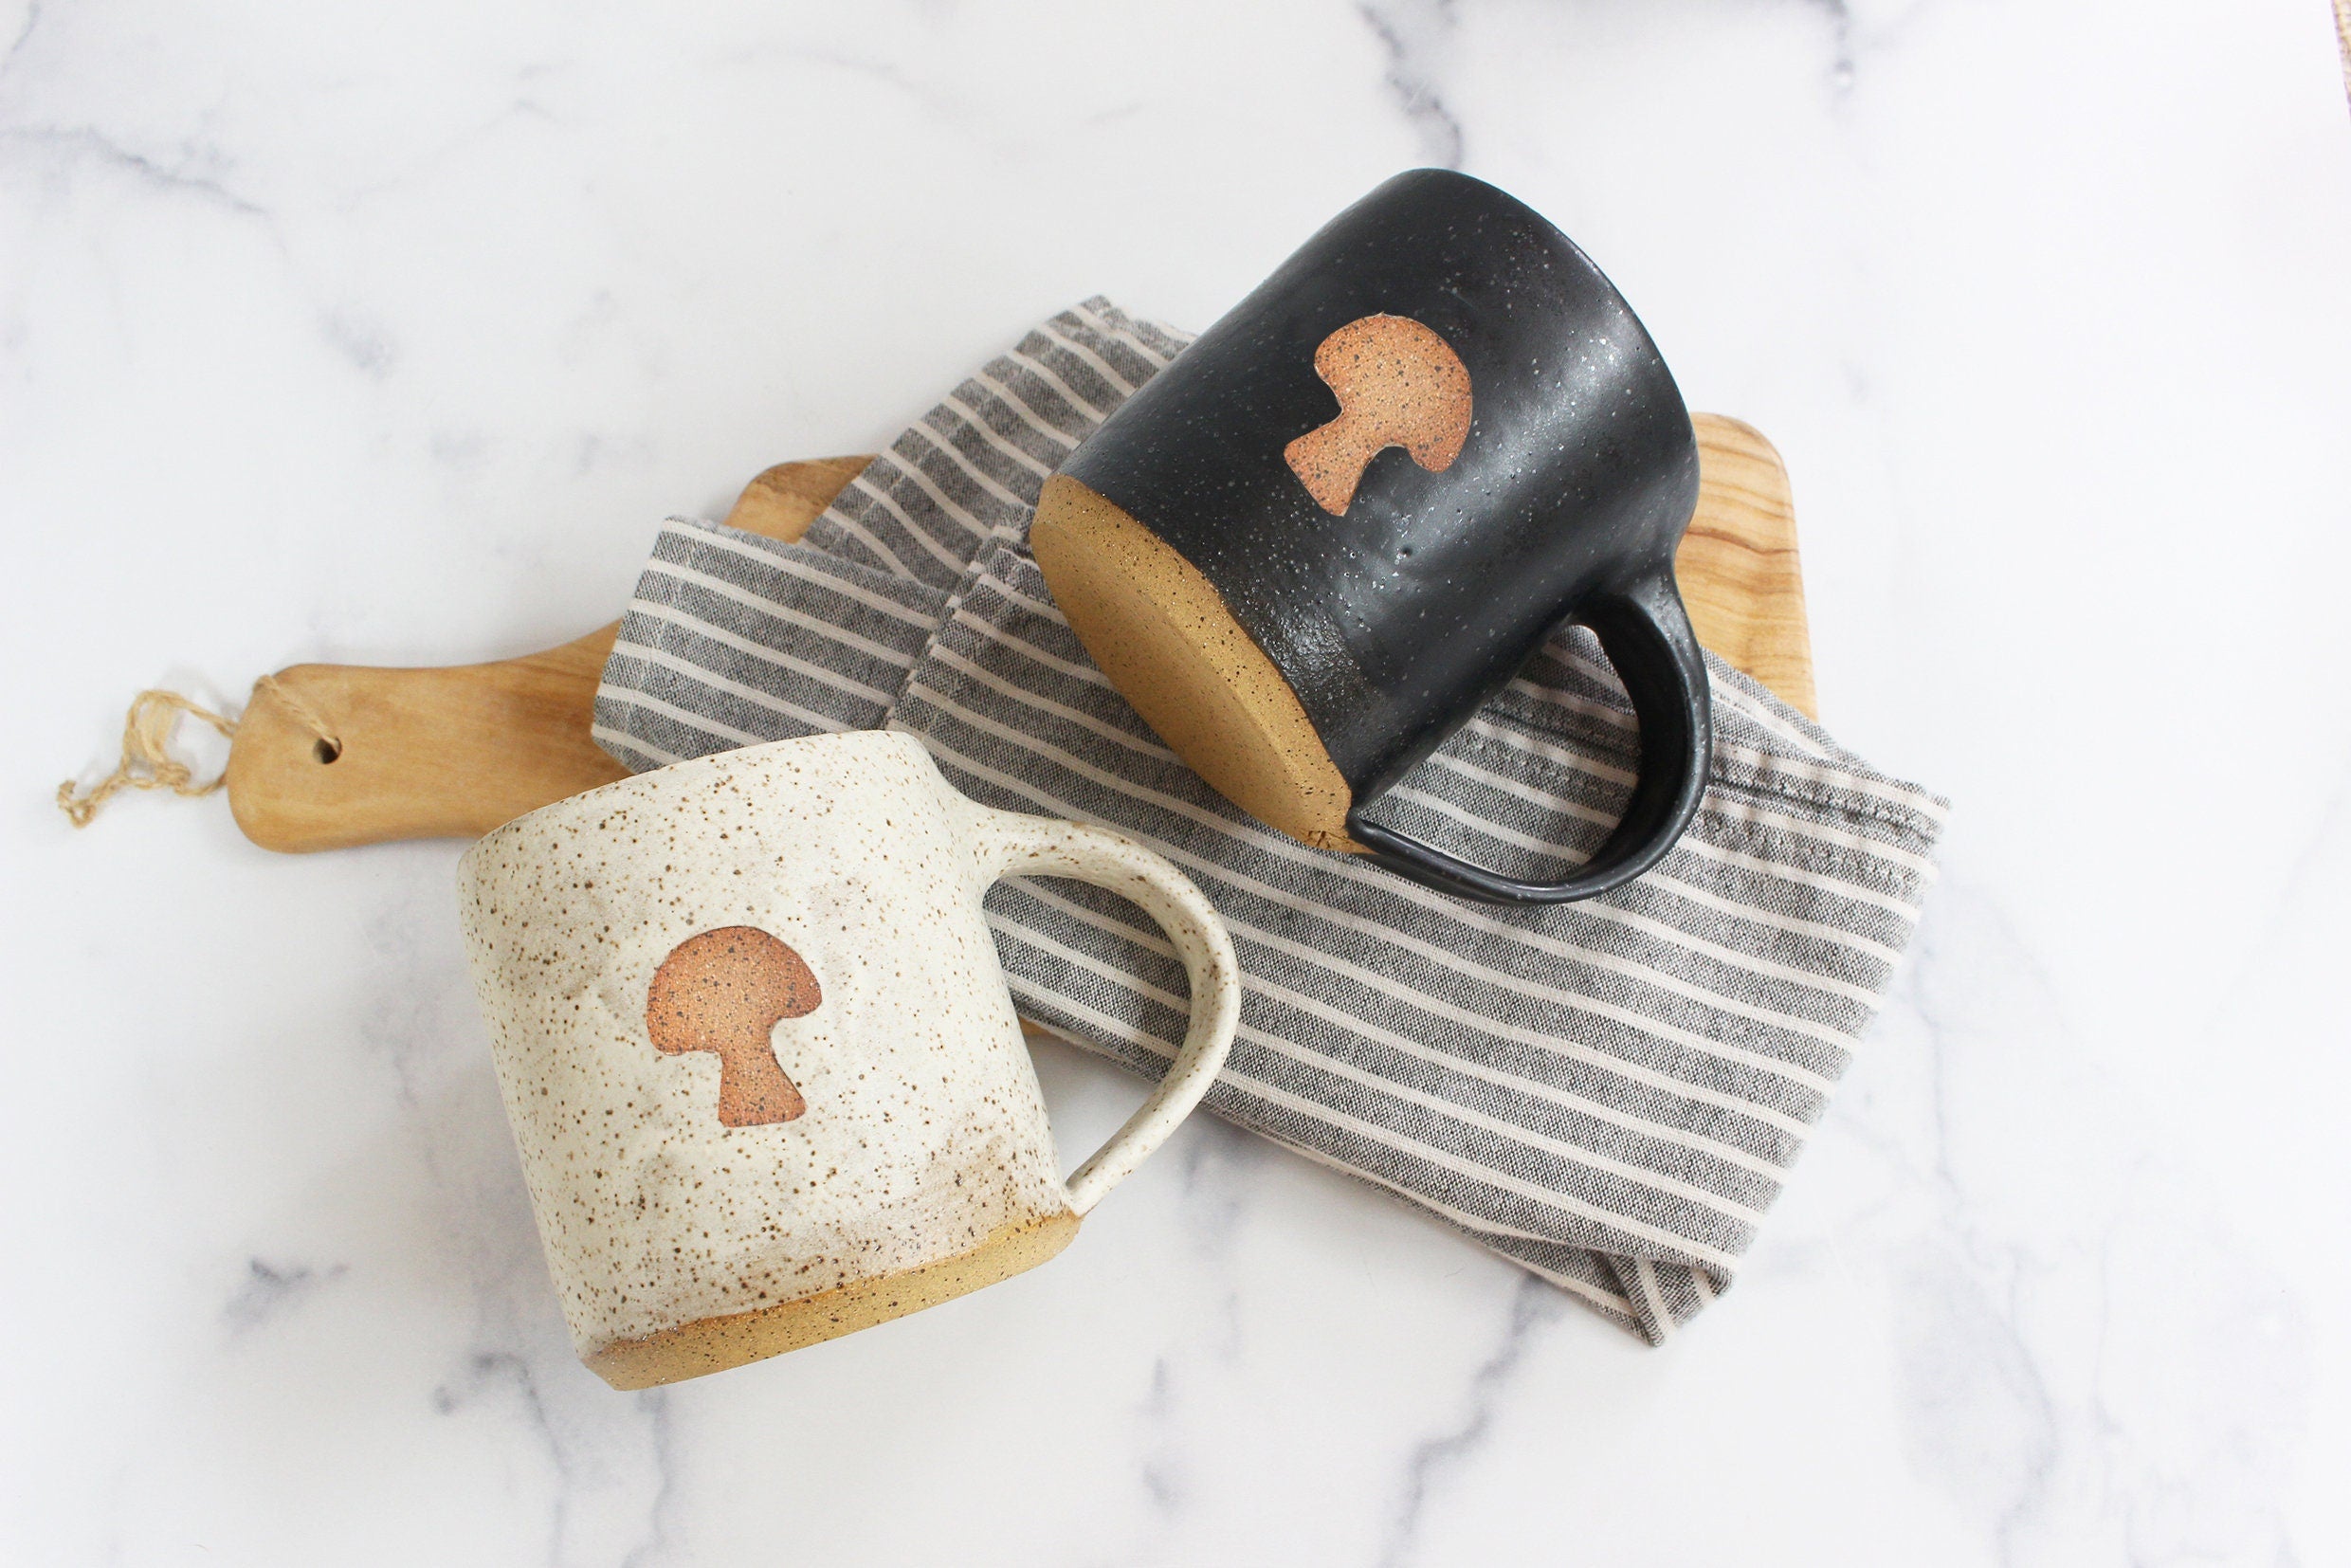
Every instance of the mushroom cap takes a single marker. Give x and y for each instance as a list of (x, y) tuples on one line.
[(1402, 384), (726, 988)]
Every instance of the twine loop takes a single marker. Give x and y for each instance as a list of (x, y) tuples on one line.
[(148, 762)]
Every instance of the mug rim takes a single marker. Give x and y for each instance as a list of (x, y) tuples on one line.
[(1496, 193), (655, 779)]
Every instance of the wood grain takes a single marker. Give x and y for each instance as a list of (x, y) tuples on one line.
[(1739, 573), (454, 752), (2343, 37)]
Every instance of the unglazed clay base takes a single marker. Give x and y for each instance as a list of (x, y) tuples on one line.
[(715, 1344), (1162, 632)]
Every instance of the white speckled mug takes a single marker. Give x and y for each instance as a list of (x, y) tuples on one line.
[(759, 1058)]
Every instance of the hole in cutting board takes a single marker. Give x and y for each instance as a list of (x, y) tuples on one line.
[(325, 750)]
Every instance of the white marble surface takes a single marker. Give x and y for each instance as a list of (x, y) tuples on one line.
[(384, 334)]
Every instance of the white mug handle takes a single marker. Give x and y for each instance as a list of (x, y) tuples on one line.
[(1010, 843)]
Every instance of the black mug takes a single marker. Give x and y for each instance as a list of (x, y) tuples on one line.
[(1316, 543)]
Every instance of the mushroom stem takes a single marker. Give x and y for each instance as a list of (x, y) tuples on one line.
[(1330, 459), (753, 1090)]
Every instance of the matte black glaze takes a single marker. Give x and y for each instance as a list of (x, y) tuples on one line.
[(1397, 621)]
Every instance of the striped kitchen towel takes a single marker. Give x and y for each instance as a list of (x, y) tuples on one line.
[(1608, 1093)]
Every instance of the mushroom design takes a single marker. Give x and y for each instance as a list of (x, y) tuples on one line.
[(1399, 384), (723, 991)]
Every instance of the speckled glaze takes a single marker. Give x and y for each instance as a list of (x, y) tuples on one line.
[(920, 1140)]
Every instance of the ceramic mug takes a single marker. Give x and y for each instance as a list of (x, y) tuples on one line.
[(759, 1056), (1316, 544)]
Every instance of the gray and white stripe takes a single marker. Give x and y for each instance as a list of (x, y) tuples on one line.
[(1609, 1094)]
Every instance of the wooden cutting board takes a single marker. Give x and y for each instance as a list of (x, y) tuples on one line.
[(332, 755)]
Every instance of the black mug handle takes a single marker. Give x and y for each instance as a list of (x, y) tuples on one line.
[(1647, 635)]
